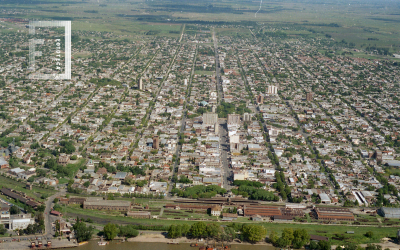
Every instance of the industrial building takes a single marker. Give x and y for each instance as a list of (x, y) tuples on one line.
[(139, 214), (187, 206), (332, 214), (390, 212), (263, 211), (108, 205), (20, 197), (18, 221)]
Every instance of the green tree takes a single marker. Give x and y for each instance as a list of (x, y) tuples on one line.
[(326, 245), (110, 231), (3, 230), (282, 242), (369, 234), (14, 210), (230, 233), (314, 245), (82, 232), (213, 230), (273, 237), (373, 247), (185, 229), (287, 234), (301, 238), (67, 147), (174, 232), (253, 233), (198, 230), (128, 231)]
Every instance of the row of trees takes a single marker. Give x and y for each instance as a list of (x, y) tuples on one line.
[(280, 185), (199, 191), (297, 238), (253, 190), (248, 232), (112, 230)]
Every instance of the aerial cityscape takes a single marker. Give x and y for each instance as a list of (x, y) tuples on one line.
[(213, 124)]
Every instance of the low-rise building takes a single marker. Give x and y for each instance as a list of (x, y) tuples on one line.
[(216, 210), (139, 214), (108, 205), (390, 212)]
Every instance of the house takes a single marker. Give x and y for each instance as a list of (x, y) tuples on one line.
[(56, 213), (63, 159), (216, 210), (120, 175), (101, 171), (3, 164)]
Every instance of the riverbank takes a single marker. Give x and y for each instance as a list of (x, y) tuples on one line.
[(25, 244), (159, 238), (386, 243)]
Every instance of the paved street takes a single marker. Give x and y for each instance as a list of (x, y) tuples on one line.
[(224, 143), (48, 219)]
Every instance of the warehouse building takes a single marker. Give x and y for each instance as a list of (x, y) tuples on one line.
[(333, 214), (139, 214), (263, 211), (188, 206), (390, 212), (20, 197), (108, 205)]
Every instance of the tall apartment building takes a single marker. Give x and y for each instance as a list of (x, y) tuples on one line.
[(272, 90), (156, 142), (209, 119), (233, 119), (309, 97), (260, 98), (246, 117), (140, 84)]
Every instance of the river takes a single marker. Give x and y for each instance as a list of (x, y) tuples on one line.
[(92, 245)]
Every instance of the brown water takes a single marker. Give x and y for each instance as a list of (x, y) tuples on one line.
[(92, 245)]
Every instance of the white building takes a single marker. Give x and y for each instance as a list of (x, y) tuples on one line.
[(246, 117), (272, 90), (16, 224)]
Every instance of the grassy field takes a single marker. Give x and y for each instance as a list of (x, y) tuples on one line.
[(203, 72), (36, 192), (336, 233), (355, 23)]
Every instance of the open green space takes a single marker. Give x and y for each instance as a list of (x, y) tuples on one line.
[(204, 72), (336, 233), (36, 192), (366, 24)]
